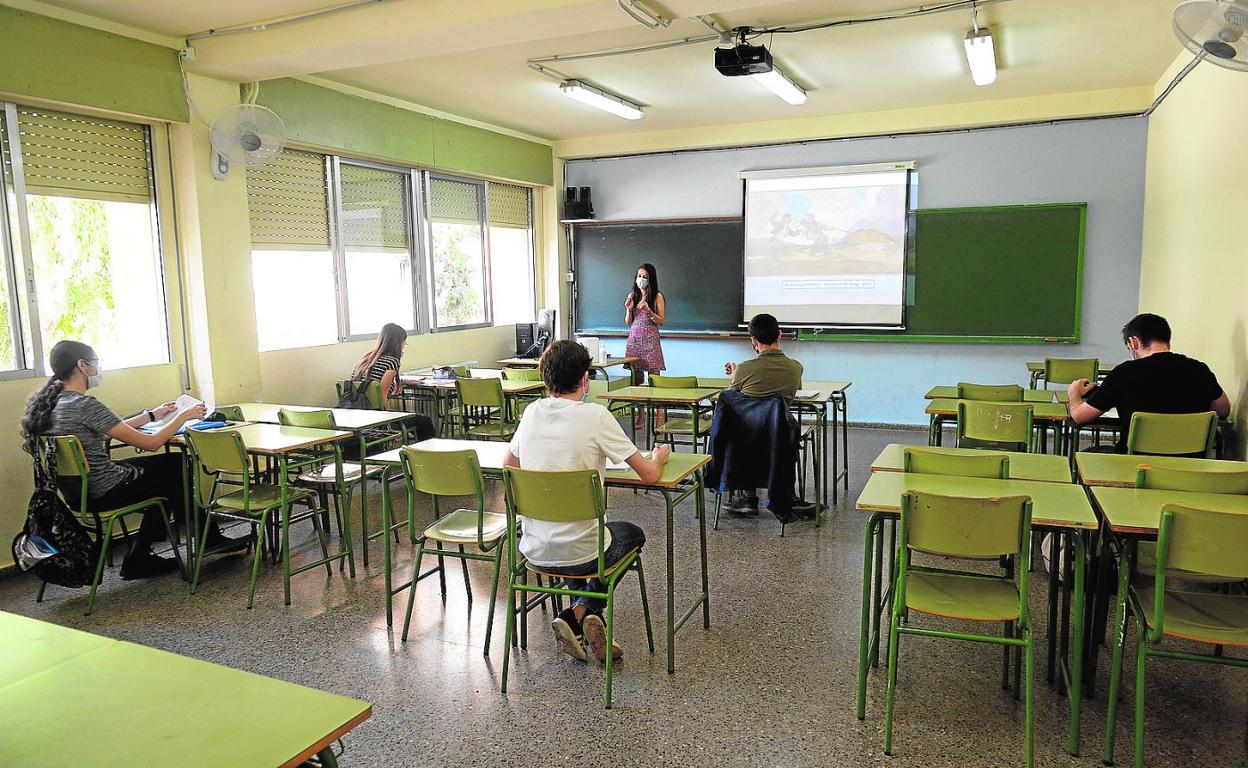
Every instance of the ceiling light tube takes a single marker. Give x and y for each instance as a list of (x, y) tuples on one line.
[(981, 56), (596, 97), (779, 83)]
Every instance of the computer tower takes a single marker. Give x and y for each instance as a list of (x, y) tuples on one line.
[(524, 341)]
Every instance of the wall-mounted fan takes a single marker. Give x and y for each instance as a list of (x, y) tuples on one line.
[(246, 134), (1214, 30)]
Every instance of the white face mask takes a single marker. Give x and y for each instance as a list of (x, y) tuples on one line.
[(643, 283), (94, 381)]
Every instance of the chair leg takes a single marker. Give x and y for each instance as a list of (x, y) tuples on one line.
[(463, 561), (199, 553), (321, 528), (892, 683), (411, 590), (441, 570), (645, 602), (489, 621), (42, 586), (255, 563), (509, 633), (1141, 656), (1029, 699), (99, 564), (719, 500), (610, 634), (169, 531)]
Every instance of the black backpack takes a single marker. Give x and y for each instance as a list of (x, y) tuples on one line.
[(353, 394), (47, 517)]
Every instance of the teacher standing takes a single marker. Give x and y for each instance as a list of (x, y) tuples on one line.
[(644, 311)]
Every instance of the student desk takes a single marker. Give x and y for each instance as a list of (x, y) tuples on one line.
[(950, 392), (442, 391), (356, 421), (602, 365), (652, 397), (1041, 467), (1044, 415), (681, 478), (1060, 507), (73, 698), (1118, 469), (1035, 370)]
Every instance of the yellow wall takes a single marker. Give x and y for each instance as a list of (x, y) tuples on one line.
[(1195, 263)]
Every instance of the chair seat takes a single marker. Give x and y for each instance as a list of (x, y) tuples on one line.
[(108, 514), (263, 495), (1205, 617), (684, 427), (956, 596), (610, 570), (328, 474), (495, 429), (1146, 564), (460, 527)]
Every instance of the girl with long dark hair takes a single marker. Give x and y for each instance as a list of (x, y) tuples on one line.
[(382, 362), (63, 407), (644, 312)]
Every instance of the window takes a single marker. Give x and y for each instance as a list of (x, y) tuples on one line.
[(80, 199), (511, 253), (457, 253), (292, 263), (373, 216)]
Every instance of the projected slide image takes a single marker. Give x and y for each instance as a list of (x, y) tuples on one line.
[(827, 248)]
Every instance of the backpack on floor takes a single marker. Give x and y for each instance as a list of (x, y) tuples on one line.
[(66, 552)]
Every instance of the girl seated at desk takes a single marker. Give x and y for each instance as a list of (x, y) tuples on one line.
[(381, 364), (63, 407)]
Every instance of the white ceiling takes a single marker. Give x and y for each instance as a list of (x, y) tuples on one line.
[(468, 58)]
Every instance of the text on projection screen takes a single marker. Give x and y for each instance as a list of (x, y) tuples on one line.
[(827, 250)]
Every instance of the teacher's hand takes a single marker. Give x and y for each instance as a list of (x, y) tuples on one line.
[(628, 301), (643, 306)]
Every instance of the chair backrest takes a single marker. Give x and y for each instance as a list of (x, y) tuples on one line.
[(487, 393), (442, 473), (71, 460), (996, 393), (1202, 540), (318, 419), (231, 412), (927, 462), (959, 526), (219, 451), (461, 371), (673, 382), (1172, 434), (557, 496), (1195, 480), (994, 425), (372, 393), (1063, 370), (522, 374)]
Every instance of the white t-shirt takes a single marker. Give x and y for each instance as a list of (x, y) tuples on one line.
[(556, 433)]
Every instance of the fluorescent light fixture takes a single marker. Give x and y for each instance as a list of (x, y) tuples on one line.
[(779, 83), (981, 55), (596, 97)]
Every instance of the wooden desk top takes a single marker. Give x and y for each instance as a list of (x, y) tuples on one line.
[(1039, 411), (1053, 505), (1041, 467), (678, 469), (509, 387), (661, 395), (531, 362), (344, 418), (1118, 469), (827, 389), (108, 693), (1137, 511), (947, 392)]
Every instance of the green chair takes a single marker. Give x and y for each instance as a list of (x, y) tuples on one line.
[(999, 426), (483, 409), (1064, 370), (1195, 480), (971, 528), (222, 452), (678, 422), (925, 462), (562, 497), (372, 392), (231, 412), (1188, 541), (71, 461), (522, 374), (454, 473), (1172, 434), (993, 393)]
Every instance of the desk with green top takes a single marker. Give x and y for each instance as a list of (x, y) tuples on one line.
[(1042, 467), (1061, 507), (602, 365), (950, 392), (1044, 415), (443, 391), (1035, 370), (681, 478), (1119, 469), (73, 698)]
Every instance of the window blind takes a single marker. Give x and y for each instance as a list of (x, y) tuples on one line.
[(66, 155), (509, 206), (374, 208), (454, 202), (289, 202)]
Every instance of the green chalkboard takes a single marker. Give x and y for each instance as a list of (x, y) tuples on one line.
[(1000, 274), (699, 265)]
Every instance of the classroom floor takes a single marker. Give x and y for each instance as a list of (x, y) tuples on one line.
[(770, 684)]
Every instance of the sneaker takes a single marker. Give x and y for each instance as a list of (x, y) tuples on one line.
[(740, 505), (567, 631), (595, 632), (145, 564), (804, 509)]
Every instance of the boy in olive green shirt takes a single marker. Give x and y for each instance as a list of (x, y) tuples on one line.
[(771, 373)]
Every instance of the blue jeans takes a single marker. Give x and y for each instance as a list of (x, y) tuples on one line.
[(625, 537)]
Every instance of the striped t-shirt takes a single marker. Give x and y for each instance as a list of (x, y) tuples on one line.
[(381, 366)]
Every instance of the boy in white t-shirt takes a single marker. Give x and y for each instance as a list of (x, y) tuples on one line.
[(562, 432)]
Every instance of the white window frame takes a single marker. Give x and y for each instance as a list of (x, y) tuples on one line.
[(532, 229), (483, 220)]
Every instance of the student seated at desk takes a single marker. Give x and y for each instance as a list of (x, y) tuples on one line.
[(63, 407), (1154, 380), (563, 432), (381, 364), (770, 373)]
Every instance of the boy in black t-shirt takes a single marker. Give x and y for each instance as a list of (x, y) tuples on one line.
[(1154, 380)]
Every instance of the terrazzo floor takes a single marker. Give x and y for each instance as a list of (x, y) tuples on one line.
[(771, 683)]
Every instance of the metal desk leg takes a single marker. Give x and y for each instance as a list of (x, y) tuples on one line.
[(867, 609), (822, 450), (706, 583), (844, 404), (1074, 688), (1115, 665), (386, 516), (671, 587)]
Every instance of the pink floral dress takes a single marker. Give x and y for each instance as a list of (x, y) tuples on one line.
[(643, 342)]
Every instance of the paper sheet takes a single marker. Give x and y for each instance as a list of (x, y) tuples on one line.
[(183, 404)]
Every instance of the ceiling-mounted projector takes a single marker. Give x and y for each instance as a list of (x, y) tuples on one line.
[(743, 59)]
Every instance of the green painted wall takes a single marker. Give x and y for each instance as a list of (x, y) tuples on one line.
[(326, 118), (58, 61)]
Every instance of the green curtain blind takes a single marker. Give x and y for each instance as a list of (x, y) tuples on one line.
[(454, 202), (69, 155), (374, 208), (289, 202), (509, 206)]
